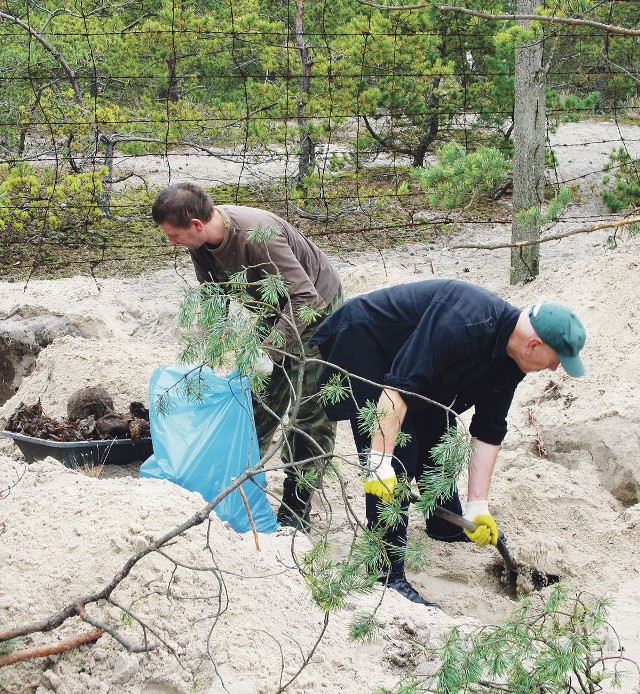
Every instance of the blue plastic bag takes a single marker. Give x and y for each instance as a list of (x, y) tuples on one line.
[(203, 445)]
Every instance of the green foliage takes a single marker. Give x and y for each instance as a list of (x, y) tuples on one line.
[(308, 314), (332, 582), (549, 644), (47, 201), (625, 192), (271, 288), (334, 390), (459, 176), (365, 627), (391, 514), (453, 454), (569, 108), (417, 554), (546, 646), (534, 217), (219, 333), (260, 234), (368, 552), (191, 387), (369, 418)]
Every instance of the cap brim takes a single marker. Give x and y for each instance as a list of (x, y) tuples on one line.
[(572, 365)]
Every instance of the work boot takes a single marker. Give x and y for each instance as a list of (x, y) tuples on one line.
[(295, 507), (399, 583)]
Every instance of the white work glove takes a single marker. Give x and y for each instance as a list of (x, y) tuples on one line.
[(379, 476), (487, 531), (263, 365)]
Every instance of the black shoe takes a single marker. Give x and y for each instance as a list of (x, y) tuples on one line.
[(457, 537), (289, 519), (296, 505), (400, 584)]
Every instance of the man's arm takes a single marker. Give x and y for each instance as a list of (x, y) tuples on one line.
[(483, 460), (380, 478), (393, 408), (276, 255)]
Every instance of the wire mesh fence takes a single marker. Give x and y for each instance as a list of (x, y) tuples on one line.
[(319, 111)]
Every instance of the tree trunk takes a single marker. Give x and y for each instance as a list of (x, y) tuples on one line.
[(528, 158), (307, 158), (173, 91), (433, 125)]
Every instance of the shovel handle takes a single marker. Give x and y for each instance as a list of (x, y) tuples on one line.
[(501, 545), (461, 522), (447, 515), (454, 518)]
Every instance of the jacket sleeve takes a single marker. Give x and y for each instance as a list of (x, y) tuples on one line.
[(276, 256), (489, 420)]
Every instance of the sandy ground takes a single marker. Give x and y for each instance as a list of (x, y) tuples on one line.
[(234, 619)]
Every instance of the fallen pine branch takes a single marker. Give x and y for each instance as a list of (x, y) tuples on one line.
[(51, 649), (555, 237), (77, 607)]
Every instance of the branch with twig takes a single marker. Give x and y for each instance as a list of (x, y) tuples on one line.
[(545, 239), (574, 21)]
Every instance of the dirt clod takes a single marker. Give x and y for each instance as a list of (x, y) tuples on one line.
[(92, 400)]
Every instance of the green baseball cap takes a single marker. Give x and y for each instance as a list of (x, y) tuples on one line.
[(560, 328)]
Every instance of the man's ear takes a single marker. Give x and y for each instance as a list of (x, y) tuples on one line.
[(197, 223), (532, 343)]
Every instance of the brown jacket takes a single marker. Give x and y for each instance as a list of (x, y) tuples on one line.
[(311, 279)]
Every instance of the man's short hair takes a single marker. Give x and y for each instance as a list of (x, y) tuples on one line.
[(180, 203)]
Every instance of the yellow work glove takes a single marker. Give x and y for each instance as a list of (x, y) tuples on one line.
[(487, 530), (379, 476)]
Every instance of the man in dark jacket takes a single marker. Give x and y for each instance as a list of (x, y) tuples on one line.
[(458, 345), (222, 242)]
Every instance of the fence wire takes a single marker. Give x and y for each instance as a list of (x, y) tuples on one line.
[(317, 111)]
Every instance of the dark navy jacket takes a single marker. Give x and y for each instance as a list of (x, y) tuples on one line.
[(443, 339)]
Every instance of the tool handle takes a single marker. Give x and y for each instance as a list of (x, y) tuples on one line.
[(454, 518), (461, 522), (447, 515)]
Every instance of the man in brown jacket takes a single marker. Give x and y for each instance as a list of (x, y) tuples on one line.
[(220, 242)]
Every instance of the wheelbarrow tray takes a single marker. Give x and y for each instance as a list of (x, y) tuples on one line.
[(79, 453)]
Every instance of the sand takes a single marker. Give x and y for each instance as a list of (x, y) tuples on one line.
[(227, 617)]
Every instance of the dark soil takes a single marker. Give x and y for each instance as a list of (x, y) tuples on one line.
[(31, 420)]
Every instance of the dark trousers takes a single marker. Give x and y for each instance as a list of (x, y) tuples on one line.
[(425, 428), (311, 440)]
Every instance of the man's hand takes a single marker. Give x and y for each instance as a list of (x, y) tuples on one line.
[(379, 476), (487, 530), (263, 365)]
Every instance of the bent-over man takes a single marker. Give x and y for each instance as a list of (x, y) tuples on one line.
[(220, 242), (458, 345)]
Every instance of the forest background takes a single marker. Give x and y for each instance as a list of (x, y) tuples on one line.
[(332, 114)]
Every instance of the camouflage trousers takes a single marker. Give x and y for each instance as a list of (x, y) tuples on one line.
[(311, 436)]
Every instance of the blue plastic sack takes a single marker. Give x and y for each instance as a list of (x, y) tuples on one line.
[(203, 445)]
